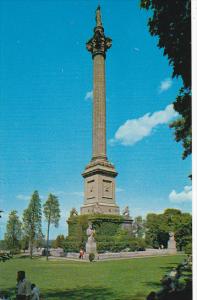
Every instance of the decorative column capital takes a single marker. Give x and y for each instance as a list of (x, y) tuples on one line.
[(99, 43)]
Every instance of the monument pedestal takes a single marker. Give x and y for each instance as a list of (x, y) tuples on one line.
[(91, 247), (99, 177)]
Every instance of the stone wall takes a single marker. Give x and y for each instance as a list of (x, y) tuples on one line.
[(121, 255)]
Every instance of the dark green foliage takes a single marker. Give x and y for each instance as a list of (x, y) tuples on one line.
[(32, 221), (91, 257), (171, 23), (158, 227), (13, 232), (59, 241), (126, 243), (106, 227), (176, 284), (183, 230), (52, 210), (77, 237), (109, 234), (71, 244), (24, 243), (182, 125), (52, 215), (5, 256), (3, 245), (188, 248)]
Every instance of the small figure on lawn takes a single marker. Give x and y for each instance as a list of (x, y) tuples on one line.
[(81, 254), (35, 292), (23, 287)]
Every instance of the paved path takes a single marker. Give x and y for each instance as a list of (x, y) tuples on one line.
[(86, 260)]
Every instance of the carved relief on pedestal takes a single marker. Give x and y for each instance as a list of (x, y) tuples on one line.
[(90, 189), (107, 191)]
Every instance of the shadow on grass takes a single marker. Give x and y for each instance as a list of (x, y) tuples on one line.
[(153, 285), (87, 293), (138, 296), (82, 293), (7, 293)]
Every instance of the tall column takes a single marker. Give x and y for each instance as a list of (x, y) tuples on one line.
[(99, 175), (99, 109), (98, 46)]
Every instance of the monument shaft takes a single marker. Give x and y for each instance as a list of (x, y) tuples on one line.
[(99, 175), (99, 108)]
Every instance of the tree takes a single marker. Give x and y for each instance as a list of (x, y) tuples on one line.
[(32, 221), (183, 230), (59, 241), (24, 243), (156, 231), (13, 232), (159, 226), (52, 215), (171, 23)]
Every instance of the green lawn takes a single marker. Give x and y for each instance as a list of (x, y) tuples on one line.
[(120, 279)]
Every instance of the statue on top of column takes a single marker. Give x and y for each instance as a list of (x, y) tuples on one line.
[(98, 16), (99, 43)]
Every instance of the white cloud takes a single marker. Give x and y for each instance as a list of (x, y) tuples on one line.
[(23, 197), (89, 95), (28, 197), (136, 49), (165, 85), (63, 193), (184, 196), (132, 131)]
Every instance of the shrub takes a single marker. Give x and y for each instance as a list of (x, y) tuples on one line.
[(188, 248), (91, 257)]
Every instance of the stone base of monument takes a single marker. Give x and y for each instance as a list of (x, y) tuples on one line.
[(91, 247), (172, 247)]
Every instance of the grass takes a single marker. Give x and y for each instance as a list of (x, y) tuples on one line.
[(118, 280)]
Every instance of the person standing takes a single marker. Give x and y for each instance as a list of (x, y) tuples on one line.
[(23, 287), (81, 254)]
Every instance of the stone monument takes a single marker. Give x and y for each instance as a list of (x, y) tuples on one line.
[(99, 175), (127, 224), (99, 207), (90, 244), (172, 243)]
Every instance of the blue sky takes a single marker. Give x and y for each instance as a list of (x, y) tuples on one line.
[(46, 108)]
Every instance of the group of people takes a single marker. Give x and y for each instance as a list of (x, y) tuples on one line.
[(171, 285), (26, 290)]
